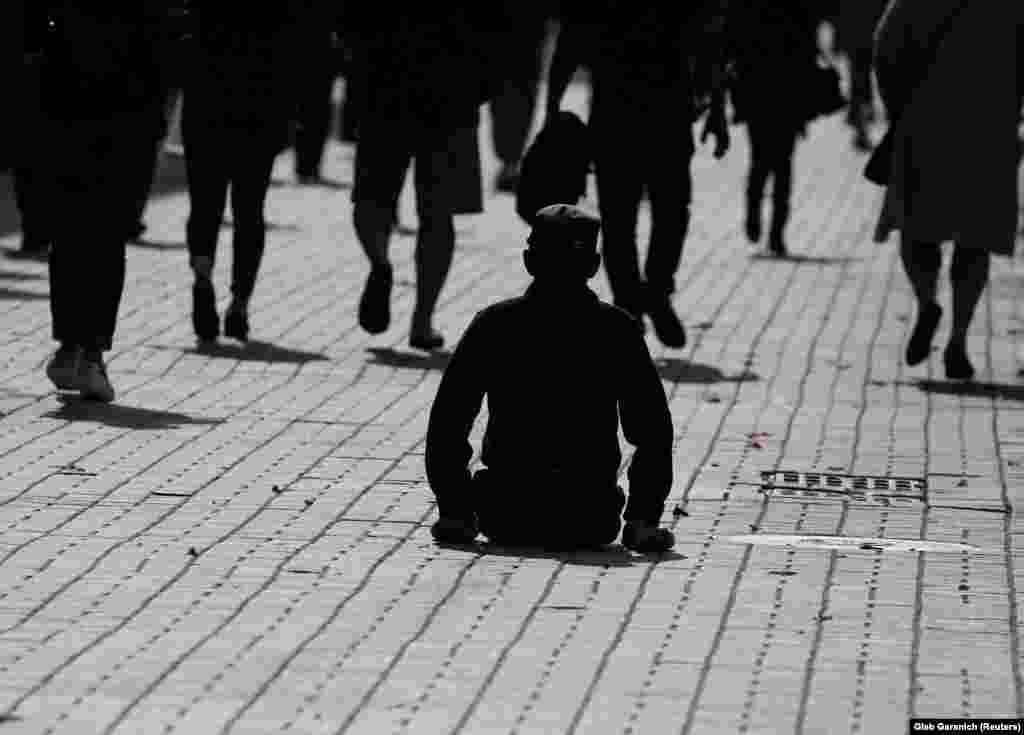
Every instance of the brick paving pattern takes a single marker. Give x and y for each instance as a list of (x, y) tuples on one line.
[(241, 543)]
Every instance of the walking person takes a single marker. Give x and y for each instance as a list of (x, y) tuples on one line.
[(430, 67), (952, 173), (642, 58), (775, 51), (101, 88), (315, 84), (513, 108), (854, 29), (551, 450), (32, 191), (237, 104)]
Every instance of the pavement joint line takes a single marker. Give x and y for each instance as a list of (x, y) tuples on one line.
[(18, 701), (488, 680)]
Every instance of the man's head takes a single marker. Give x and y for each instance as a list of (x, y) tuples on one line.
[(563, 245)]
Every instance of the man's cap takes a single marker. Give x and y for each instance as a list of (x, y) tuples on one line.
[(565, 224)]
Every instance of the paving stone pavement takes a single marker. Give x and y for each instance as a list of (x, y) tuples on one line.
[(241, 543)]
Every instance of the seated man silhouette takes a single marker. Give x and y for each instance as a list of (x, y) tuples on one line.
[(559, 368)]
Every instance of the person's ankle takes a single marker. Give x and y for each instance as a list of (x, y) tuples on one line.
[(90, 354)]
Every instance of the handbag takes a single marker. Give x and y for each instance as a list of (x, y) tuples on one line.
[(879, 166)]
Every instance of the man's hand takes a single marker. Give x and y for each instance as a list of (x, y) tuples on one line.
[(647, 538), (715, 124), (457, 531)]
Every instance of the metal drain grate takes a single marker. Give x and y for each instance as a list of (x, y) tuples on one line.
[(872, 489)]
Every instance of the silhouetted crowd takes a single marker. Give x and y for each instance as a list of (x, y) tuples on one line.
[(102, 81)]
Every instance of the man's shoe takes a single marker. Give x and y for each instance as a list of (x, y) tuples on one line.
[(375, 304), (453, 531), (93, 383), (236, 323), (958, 364), (667, 326), (62, 369), (647, 538), (427, 342)]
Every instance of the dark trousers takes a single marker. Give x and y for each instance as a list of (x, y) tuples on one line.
[(92, 198), (217, 158), (33, 193), (771, 155), (630, 158), (313, 118), (526, 512), (141, 177), (512, 110)]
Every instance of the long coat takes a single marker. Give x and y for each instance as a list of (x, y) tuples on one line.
[(954, 172)]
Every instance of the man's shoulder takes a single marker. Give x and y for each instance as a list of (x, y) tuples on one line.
[(501, 309)]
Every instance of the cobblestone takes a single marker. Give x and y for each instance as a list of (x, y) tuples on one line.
[(240, 544)]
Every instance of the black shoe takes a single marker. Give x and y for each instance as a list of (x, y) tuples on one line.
[(205, 321), (375, 304), (777, 247), (236, 324), (667, 326), (920, 344), (647, 539), (427, 342), (454, 531), (958, 365)]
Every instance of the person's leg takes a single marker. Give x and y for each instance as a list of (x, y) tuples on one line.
[(435, 239), (34, 200), (781, 159), (95, 194), (968, 275), (206, 170), (921, 263), (314, 122), (252, 162), (670, 186), (757, 177), (619, 190), (382, 158), (512, 110), (860, 107)]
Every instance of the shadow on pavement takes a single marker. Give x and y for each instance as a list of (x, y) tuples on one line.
[(416, 360), (322, 183), (16, 294), (147, 244), (271, 226), (676, 370), (255, 351), (806, 259), (74, 408), (20, 276), (970, 388), (610, 556)]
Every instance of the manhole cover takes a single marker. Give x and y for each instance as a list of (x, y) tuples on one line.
[(872, 489), (852, 542)]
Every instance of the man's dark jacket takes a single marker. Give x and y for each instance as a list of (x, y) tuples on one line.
[(558, 370)]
